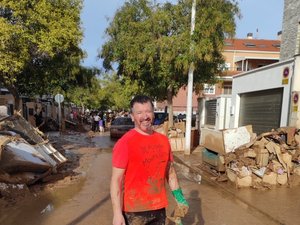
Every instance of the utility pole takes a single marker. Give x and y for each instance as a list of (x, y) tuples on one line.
[(189, 107)]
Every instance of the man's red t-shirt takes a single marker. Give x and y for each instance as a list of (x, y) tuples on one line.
[(145, 159)]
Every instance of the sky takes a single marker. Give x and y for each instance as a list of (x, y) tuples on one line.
[(263, 18)]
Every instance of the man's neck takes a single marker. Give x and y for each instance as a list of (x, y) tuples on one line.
[(148, 132)]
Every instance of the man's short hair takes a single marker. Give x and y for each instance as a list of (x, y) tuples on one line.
[(140, 99)]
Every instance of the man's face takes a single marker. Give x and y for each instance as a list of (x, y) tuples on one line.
[(143, 116)]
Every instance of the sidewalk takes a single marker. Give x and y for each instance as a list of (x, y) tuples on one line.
[(192, 161), (195, 158), (280, 204)]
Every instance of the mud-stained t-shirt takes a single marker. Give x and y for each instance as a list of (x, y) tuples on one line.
[(145, 159)]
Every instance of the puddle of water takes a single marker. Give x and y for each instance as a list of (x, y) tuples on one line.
[(48, 209), (103, 141), (188, 174), (34, 209)]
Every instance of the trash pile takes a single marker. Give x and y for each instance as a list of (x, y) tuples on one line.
[(176, 135), (248, 160), (26, 155)]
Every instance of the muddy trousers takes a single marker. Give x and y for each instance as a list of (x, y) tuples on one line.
[(153, 217)]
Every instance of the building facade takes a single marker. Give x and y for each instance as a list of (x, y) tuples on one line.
[(241, 55), (290, 30), (268, 97)]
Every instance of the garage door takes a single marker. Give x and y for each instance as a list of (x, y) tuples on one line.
[(210, 109), (261, 109)]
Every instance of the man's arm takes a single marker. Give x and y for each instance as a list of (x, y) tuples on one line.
[(172, 177), (116, 195), (182, 204)]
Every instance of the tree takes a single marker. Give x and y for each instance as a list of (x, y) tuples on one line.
[(116, 92), (151, 43), (101, 92), (84, 89), (39, 42)]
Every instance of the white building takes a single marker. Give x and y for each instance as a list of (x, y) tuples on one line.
[(267, 98)]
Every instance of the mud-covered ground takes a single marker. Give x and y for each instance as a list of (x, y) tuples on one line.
[(79, 192), (74, 145)]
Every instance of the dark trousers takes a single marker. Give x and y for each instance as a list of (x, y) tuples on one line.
[(96, 126), (153, 217)]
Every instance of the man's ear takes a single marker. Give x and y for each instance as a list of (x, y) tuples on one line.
[(131, 116)]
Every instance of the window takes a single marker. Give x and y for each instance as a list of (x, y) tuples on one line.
[(249, 44), (225, 66), (209, 89), (227, 89)]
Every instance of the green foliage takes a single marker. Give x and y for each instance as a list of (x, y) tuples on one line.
[(39, 42), (151, 43), (101, 93), (84, 89), (118, 91)]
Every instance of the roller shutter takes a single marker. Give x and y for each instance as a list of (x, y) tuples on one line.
[(261, 109), (210, 108)]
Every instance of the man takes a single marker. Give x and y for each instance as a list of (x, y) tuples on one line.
[(142, 162), (96, 122)]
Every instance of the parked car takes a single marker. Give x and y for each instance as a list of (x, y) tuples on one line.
[(120, 126), (182, 118), (160, 117)]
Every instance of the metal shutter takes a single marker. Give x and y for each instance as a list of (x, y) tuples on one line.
[(261, 109), (210, 109)]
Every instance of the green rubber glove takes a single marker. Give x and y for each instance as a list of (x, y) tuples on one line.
[(178, 195)]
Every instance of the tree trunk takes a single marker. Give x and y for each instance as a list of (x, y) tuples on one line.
[(63, 122), (170, 106), (17, 103), (16, 96)]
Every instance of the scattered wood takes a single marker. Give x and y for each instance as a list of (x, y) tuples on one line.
[(267, 160)]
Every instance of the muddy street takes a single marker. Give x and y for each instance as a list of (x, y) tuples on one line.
[(84, 198), (81, 199)]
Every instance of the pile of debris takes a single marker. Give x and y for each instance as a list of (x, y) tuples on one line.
[(249, 160), (176, 135), (26, 155)]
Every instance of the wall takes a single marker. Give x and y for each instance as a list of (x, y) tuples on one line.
[(291, 19), (268, 77), (8, 101), (179, 102), (295, 88)]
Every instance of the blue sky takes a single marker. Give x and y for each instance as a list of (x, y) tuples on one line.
[(264, 16)]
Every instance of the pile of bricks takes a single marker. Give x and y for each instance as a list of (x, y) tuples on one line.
[(270, 159)]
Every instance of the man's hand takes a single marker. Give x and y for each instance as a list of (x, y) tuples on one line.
[(181, 210), (182, 205), (119, 220)]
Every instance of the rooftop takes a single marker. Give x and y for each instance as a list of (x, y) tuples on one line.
[(252, 45)]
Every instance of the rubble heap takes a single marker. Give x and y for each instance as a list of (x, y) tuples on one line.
[(270, 160), (26, 155), (266, 160)]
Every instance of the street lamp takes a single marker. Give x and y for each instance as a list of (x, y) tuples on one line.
[(189, 109)]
